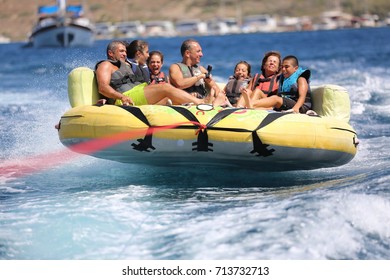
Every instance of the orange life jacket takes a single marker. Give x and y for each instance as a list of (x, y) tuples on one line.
[(160, 78), (268, 85)]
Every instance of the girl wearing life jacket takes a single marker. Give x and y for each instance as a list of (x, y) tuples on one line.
[(294, 90), (241, 78), (137, 56), (265, 83), (155, 63)]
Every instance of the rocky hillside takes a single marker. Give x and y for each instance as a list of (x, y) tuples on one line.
[(18, 17)]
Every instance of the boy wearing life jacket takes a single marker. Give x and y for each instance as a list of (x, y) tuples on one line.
[(293, 93)]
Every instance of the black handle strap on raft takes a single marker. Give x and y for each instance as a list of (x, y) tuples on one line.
[(355, 140), (259, 148), (202, 144), (136, 111), (144, 144), (203, 138)]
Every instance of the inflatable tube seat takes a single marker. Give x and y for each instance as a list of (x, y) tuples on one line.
[(331, 101), (82, 87)]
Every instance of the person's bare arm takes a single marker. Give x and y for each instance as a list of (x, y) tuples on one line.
[(177, 80), (302, 89), (103, 77), (210, 82)]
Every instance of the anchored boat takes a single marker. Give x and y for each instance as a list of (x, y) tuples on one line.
[(62, 25), (217, 137)]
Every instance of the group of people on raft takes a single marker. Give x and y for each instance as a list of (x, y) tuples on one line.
[(132, 76)]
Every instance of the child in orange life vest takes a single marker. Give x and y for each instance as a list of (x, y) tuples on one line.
[(240, 79), (155, 63)]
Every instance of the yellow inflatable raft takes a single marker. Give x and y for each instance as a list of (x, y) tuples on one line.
[(192, 135)]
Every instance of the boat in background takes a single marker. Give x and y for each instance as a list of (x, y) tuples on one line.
[(4, 39), (62, 25)]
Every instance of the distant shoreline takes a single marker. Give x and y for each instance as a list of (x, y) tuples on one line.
[(18, 18)]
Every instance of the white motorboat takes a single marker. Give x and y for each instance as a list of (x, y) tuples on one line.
[(62, 25)]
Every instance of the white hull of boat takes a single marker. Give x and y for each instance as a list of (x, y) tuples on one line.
[(62, 36)]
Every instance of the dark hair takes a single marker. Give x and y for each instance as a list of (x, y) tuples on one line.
[(135, 46), (160, 54), (113, 45), (186, 45), (293, 59), (246, 64), (267, 55)]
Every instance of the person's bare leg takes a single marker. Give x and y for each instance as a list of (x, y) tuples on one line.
[(253, 96), (164, 101), (155, 93), (220, 99), (209, 98), (247, 99), (240, 102), (268, 102)]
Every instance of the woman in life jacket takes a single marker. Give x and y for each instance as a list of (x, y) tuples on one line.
[(155, 63), (137, 55), (265, 83), (241, 78)]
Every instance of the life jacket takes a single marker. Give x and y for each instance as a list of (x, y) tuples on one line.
[(288, 87), (160, 78), (267, 85), (140, 71), (191, 71), (232, 88), (122, 79)]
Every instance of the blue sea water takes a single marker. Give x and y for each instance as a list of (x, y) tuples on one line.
[(88, 208)]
